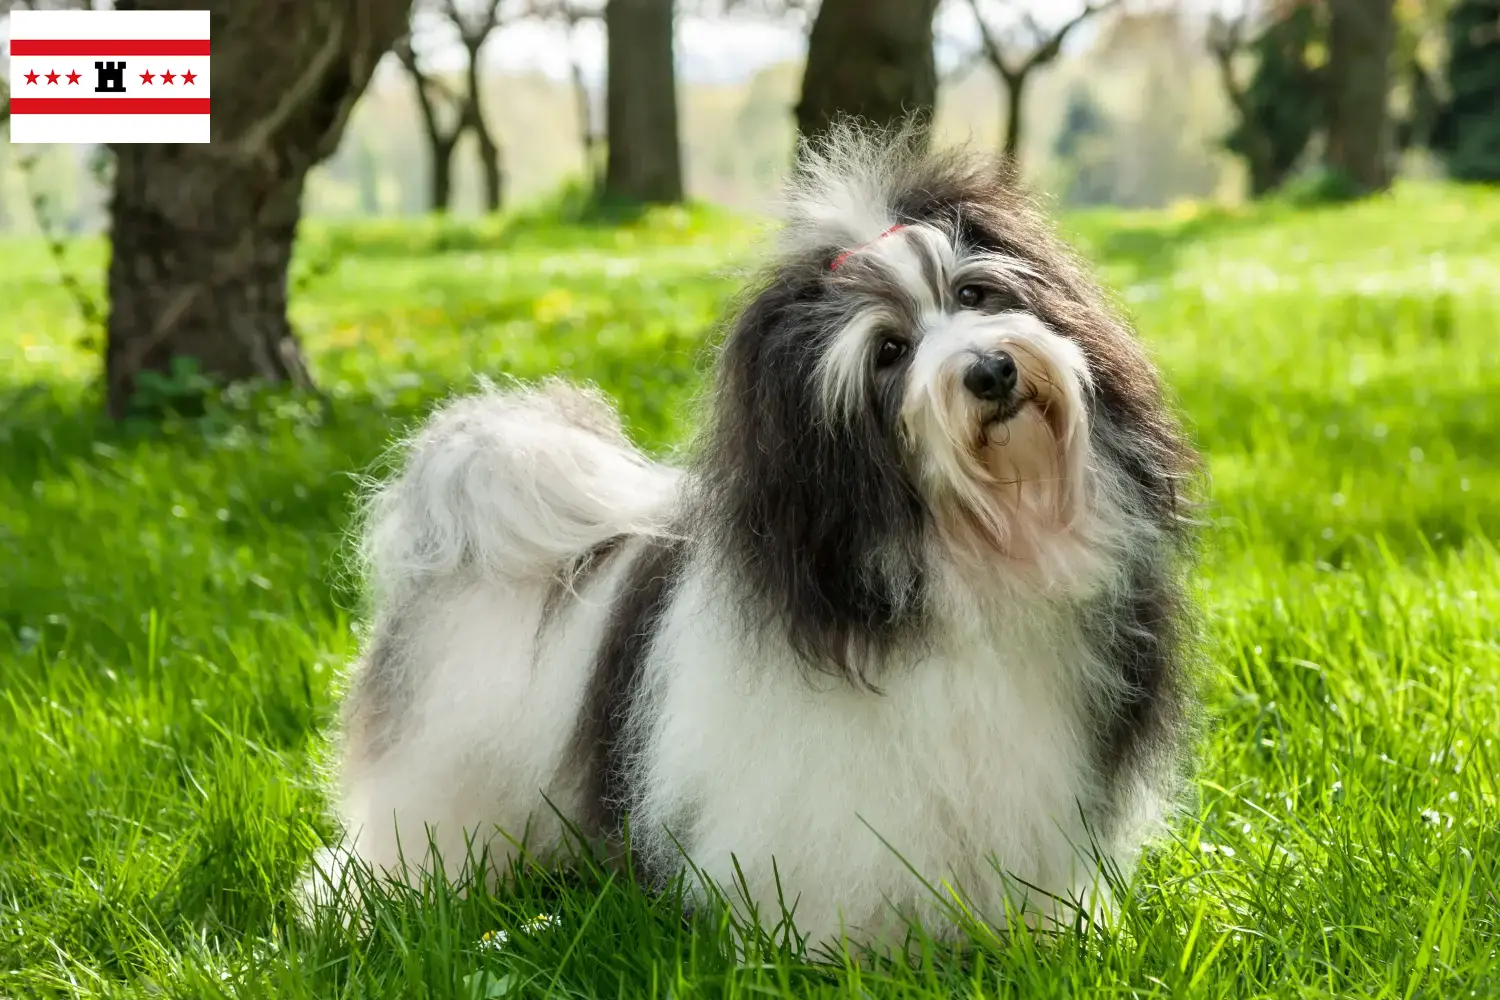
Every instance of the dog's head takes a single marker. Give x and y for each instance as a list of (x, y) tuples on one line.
[(925, 370)]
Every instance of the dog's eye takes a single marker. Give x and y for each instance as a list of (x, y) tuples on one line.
[(970, 296), (890, 351)]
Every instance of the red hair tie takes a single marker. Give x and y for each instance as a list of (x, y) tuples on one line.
[(840, 258)]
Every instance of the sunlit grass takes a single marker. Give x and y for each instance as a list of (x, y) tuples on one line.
[(173, 611)]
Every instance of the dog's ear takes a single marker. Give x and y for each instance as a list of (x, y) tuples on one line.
[(818, 518)]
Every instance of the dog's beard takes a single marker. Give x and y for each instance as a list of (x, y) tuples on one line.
[(1003, 477)]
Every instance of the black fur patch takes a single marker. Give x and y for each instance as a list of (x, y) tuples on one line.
[(643, 594), (574, 578), (1137, 632), (818, 518)]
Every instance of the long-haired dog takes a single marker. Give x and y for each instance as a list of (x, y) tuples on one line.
[(908, 632)]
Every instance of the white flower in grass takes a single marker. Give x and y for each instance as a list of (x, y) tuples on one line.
[(1435, 818)]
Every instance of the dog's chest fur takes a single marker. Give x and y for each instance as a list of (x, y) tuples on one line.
[(975, 753)]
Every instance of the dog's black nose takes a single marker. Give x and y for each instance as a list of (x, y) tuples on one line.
[(992, 377)]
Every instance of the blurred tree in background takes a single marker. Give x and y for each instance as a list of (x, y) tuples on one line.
[(451, 109), (871, 59), (1281, 106), (1360, 130), (573, 16), (645, 154), (1467, 134), (201, 235), (1016, 55)]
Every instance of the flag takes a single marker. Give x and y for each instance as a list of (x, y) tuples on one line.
[(108, 76)]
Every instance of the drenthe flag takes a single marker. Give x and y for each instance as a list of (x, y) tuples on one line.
[(107, 76)]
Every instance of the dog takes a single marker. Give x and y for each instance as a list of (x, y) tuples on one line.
[(904, 638)]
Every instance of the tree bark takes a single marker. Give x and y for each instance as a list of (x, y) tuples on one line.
[(1361, 36), (868, 59), (202, 235), (645, 158)]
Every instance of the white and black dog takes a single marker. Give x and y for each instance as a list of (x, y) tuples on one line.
[(907, 631)]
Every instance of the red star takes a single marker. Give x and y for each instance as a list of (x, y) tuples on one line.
[(72, 78), (147, 76), (168, 77), (52, 77), (189, 77), (31, 77)]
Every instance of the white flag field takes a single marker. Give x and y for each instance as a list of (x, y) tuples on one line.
[(106, 76)]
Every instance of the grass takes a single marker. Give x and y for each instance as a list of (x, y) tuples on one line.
[(173, 614)]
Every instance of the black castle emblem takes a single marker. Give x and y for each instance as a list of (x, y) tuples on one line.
[(111, 77)]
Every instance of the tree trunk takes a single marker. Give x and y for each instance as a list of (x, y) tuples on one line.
[(645, 159), (440, 180), (1361, 35), (869, 59), (440, 142), (1015, 90), (202, 235), (490, 168)]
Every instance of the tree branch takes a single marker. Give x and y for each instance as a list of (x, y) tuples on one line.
[(989, 45), (569, 12), (474, 35), (1226, 39), (1046, 45), (257, 139), (1051, 47)]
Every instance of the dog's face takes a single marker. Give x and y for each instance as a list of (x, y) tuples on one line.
[(936, 333), (923, 374)]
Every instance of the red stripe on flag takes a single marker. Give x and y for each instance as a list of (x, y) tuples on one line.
[(109, 105), (105, 47)]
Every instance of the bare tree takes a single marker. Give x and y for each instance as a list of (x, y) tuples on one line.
[(1278, 107), (475, 23), (201, 235), (1226, 43), (573, 15), (645, 156), (1042, 46), (868, 59), (449, 110)]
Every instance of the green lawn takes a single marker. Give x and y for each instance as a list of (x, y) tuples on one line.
[(173, 610)]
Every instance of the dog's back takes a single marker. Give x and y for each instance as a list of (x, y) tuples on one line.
[(502, 503)]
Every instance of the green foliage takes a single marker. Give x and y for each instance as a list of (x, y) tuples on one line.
[(1467, 134), (174, 608), (1282, 100)]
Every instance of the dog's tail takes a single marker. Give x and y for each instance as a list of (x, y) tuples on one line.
[(512, 484)]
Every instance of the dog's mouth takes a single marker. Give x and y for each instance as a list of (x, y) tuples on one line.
[(1000, 413)]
